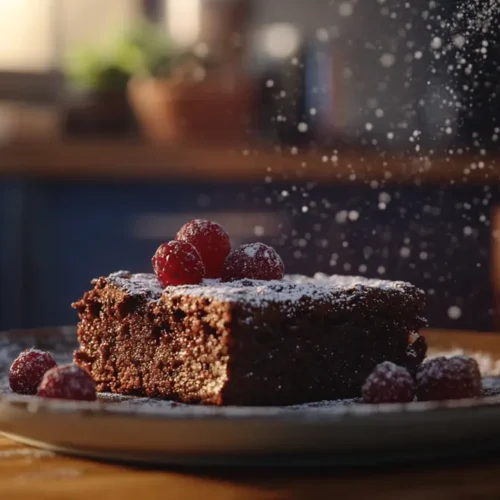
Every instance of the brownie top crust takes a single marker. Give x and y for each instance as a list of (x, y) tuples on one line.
[(340, 292)]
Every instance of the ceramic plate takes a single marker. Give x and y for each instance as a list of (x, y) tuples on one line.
[(338, 432)]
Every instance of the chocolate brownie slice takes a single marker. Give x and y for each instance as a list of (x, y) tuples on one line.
[(244, 343)]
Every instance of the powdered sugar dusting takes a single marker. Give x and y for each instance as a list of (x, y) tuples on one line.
[(251, 249), (252, 292), (342, 290), (28, 369), (68, 381), (454, 365), (488, 366), (144, 284), (253, 261), (59, 342), (178, 262), (36, 351), (342, 282), (193, 228)]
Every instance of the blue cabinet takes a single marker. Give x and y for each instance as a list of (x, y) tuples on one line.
[(13, 231)]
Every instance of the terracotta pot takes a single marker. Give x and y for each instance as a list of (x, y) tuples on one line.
[(181, 111)]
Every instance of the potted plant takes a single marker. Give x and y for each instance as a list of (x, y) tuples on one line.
[(182, 96), (95, 101)]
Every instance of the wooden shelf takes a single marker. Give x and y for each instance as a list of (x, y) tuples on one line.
[(136, 161)]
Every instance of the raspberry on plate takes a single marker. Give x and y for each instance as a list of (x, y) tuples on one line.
[(254, 261), (448, 378), (28, 369), (211, 241), (68, 382), (388, 383), (178, 263)]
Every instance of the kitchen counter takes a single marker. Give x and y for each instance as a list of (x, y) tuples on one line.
[(136, 161)]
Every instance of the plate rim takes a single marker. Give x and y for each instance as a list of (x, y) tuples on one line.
[(34, 404)]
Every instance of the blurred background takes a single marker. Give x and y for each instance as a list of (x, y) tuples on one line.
[(356, 137)]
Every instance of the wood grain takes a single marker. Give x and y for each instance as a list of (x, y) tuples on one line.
[(27, 473), (135, 160)]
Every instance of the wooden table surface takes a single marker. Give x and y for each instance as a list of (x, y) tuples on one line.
[(27, 473)]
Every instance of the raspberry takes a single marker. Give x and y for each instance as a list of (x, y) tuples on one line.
[(448, 378), (28, 369), (211, 241), (388, 383), (68, 382), (255, 261), (178, 263)]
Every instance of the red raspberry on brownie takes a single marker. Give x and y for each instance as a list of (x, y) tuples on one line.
[(254, 261), (178, 263), (28, 369), (211, 241), (448, 378), (388, 383), (68, 382)]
